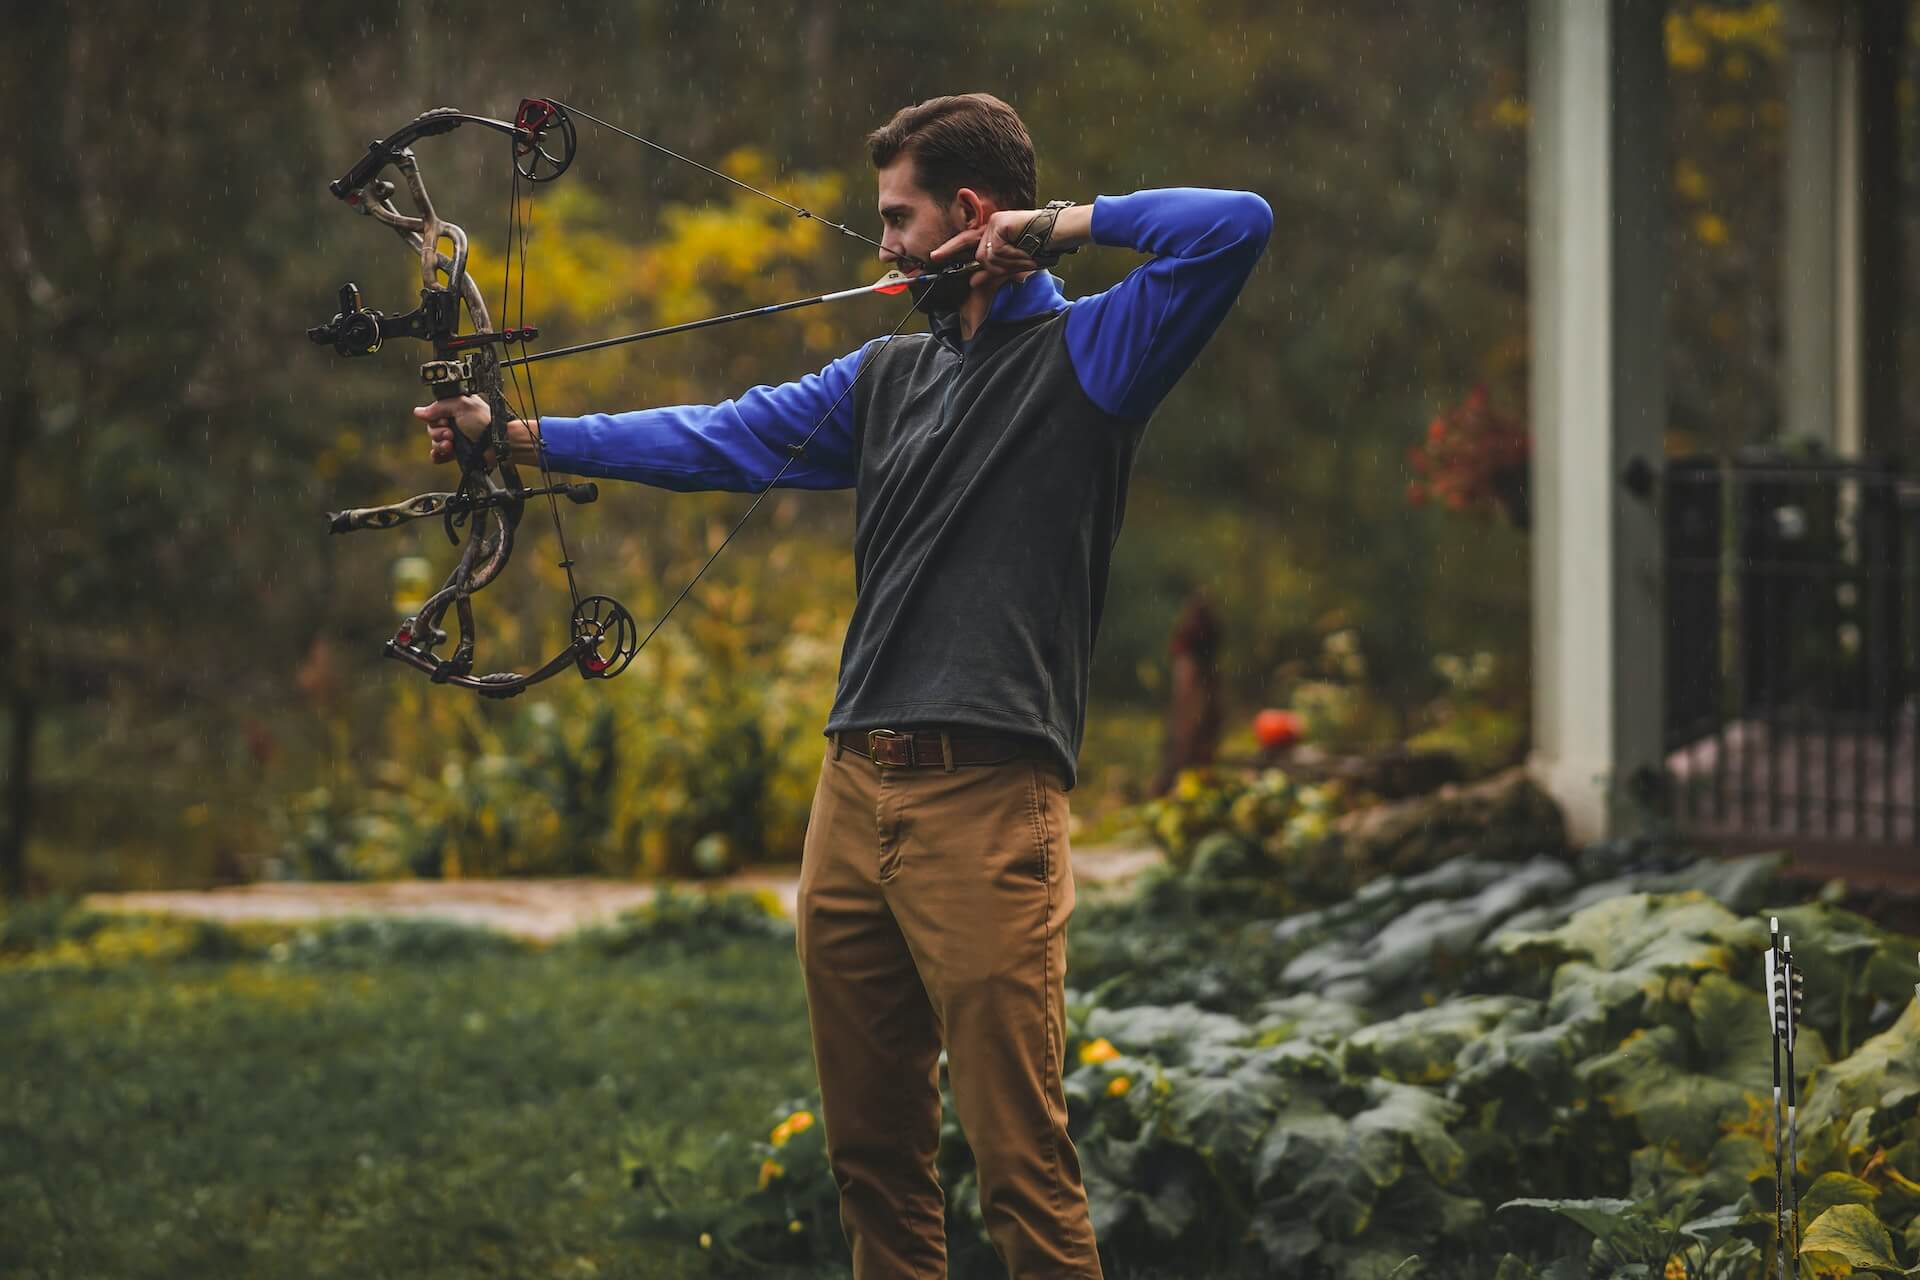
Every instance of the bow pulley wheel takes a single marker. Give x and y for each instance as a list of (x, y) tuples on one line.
[(606, 635), (544, 141)]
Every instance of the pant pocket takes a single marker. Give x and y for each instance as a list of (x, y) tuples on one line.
[(1040, 807)]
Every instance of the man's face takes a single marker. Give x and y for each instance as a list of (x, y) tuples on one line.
[(911, 221)]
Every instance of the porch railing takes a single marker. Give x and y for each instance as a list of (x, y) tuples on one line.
[(1793, 653)]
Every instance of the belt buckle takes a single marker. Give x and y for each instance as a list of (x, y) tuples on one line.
[(877, 736)]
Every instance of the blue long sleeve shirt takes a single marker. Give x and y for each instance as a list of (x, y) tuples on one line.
[(990, 475)]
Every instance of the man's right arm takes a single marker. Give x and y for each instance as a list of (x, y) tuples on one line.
[(736, 445)]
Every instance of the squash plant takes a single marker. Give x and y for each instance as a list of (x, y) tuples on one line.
[(1490, 1069)]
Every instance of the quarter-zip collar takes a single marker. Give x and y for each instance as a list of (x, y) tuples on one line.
[(1017, 300)]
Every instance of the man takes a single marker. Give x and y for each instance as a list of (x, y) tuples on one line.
[(989, 459)]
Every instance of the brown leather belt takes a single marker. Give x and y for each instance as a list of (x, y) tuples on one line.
[(938, 748)]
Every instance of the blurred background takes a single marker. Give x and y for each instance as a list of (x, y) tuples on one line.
[(194, 687)]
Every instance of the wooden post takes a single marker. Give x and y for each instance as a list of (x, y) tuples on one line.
[(1193, 704)]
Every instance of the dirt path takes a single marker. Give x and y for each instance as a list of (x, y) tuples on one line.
[(540, 909)]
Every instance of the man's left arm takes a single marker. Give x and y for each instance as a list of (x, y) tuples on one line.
[(1130, 344)]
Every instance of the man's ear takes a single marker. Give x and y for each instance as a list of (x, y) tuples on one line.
[(974, 208)]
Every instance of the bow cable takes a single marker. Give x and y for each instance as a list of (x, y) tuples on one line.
[(841, 227), (891, 284)]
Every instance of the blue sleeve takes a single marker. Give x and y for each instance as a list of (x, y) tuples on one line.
[(1130, 344), (736, 445)]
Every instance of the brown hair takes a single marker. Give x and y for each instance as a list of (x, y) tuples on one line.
[(967, 140)]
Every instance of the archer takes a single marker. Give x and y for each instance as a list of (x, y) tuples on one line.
[(989, 459)]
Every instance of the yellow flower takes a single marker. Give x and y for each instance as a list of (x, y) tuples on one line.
[(706, 1240), (1511, 113), (1100, 1050), (798, 1122), (796, 1226), (1689, 181), (1685, 50), (1711, 228), (1676, 1268), (769, 1170), (1118, 1086)]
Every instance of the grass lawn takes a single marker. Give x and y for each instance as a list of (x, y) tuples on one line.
[(455, 1109)]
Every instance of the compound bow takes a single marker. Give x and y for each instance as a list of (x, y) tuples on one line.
[(490, 496)]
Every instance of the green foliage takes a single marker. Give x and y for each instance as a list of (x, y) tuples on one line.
[(687, 922), (1334, 1092), (792, 1215), (1632, 1238), (444, 1110), (703, 758), (58, 933), (1479, 717), (1398, 287), (1852, 1235), (1267, 834), (1368, 1106), (376, 942)]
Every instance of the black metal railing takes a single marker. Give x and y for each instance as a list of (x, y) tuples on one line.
[(1793, 651)]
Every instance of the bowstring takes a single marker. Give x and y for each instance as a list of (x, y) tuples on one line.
[(518, 230), (799, 451), (797, 210), (517, 241)]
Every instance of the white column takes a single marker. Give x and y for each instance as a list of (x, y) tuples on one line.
[(1598, 187), (1820, 391), (1839, 299)]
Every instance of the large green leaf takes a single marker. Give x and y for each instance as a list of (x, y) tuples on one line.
[(1525, 1065), (1307, 1016), (1171, 1033), (1304, 1134), (1225, 1115), (1421, 1210), (1739, 1160), (1831, 1190), (1881, 1076), (1441, 916), (1421, 1047), (1649, 1079), (1899, 1169), (1513, 1267), (1847, 957), (1138, 1186), (1625, 949), (1371, 1260), (1851, 1233), (1419, 1118), (1603, 1217), (1307, 1171), (1333, 1170), (1287, 1242), (1733, 1037)]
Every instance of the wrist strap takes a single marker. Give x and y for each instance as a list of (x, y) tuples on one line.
[(1035, 237)]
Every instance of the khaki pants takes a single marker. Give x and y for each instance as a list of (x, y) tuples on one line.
[(933, 911)]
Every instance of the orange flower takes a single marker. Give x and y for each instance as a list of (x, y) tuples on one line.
[(1118, 1086), (1098, 1051), (798, 1122)]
